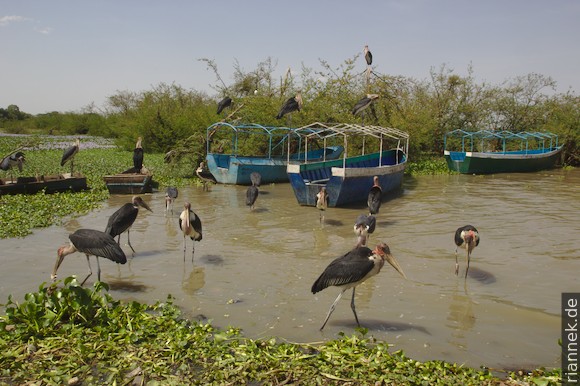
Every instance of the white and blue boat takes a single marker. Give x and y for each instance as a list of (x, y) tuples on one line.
[(369, 151)]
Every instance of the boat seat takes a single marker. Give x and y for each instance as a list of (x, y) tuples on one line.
[(317, 182)]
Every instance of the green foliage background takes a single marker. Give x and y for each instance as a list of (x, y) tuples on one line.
[(169, 116)]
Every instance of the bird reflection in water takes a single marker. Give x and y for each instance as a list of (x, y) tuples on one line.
[(194, 281)]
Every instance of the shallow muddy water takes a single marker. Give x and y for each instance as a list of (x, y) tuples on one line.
[(254, 270)]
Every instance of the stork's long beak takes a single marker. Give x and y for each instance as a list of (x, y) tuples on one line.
[(59, 259), (391, 260), (144, 205)]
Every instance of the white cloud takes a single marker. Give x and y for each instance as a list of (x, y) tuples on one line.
[(44, 31), (5, 20)]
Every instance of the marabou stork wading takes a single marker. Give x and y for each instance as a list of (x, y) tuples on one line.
[(251, 196), (292, 104), (17, 159), (353, 268), (465, 237), (205, 176), (170, 196), (123, 219), (322, 201), (90, 242), (190, 225), (364, 226), (138, 156), (69, 155), (375, 197), (226, 102)]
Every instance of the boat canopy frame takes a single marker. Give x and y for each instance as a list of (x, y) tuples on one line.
[(276, 136), (326, 131), (505, 136)]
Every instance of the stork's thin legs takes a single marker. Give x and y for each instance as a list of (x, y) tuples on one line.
[(184, 247), (456, 263), (331, 309), (98, 269), (352, 306), (90, 270), (467, 269), (129, 240)]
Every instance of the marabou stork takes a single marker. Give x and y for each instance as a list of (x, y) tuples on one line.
[(322, 201), (375, 196), (364, 226), (292, 104), (205, 176), (226, 102), (138, 156), (368, 56), (17, 159), (123, 219), (170, 196), (190, 225), (364, 102), (353, 268), (90, 242), (256, 178), (465, 237), (252, 195), (69, 154)]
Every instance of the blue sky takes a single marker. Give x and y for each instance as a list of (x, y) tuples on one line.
[(63, 55)]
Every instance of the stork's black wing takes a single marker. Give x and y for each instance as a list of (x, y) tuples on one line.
[(97, 243), (349, 268), (122, 219), (226, 102)]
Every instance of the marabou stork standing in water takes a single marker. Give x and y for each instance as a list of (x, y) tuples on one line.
[(205, 176), (253, 191), (17, 159), (170, 196), (292, 104), (364, 226), (226, 102), (123, 219), (90, 242), (353, 268), (138, 156), (322, 202), (375, 196), (465, 237), (190, 225), (69, 155)]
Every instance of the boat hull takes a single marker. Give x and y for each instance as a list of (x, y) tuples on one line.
[(346, 185), (236, 170), (508, 162), (48, 184), (129, 183)]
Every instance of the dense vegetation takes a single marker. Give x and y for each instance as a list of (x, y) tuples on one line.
[(67, 334), (169, 116)]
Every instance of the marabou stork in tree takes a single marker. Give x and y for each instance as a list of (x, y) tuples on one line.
[(368, 55), (353, 268), (90, 242), (466, 237), (17, 159), (190, 225), (69, 155), (138, 156), (226, 102), (292, 104), (363, 103), (375, 197), (170, 196), (205, 176), (123, 219), (322, 201), (364, 226)]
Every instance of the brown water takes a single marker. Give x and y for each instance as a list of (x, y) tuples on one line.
[(254, 269)]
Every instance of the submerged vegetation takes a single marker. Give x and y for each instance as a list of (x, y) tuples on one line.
[(67, 334)]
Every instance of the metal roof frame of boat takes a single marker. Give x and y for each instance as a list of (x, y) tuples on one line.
[(502, 135)]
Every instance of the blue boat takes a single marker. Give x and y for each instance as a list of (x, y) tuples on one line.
[(487, 151), (236, 151), (349, 179)]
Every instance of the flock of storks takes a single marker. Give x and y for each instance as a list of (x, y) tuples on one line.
[(345, 272)]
